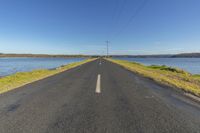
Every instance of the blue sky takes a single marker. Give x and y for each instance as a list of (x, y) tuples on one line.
[(83, 26)]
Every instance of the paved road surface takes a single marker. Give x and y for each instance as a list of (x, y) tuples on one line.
[(121, 102)]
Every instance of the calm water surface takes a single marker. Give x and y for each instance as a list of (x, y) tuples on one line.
[(191, 65), (12, 65)]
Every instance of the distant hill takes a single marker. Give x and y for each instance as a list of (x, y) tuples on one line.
[(42, 55), (143, 56), (188, 55), (182, 55)]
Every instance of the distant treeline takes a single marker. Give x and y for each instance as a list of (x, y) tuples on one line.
[(182, 55), (43, 55), (191, 55), (142, 56)]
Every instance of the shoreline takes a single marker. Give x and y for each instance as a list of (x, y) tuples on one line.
[(54, 68), (22, 78), (173, 77), (45, 57), (42, 55), (178, 63)]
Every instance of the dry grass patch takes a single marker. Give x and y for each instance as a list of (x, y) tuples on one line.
[(22, 78), (174, 77)]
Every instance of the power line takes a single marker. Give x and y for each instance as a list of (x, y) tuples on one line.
[(107, 43), (118, 10), (137, 11), (116, 16), (115, 9), (131, 18), (129, 21), (121, 11)]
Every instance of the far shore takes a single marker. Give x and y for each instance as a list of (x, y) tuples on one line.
[(19, 79), (181, 55), (42, 56), (173, 77)]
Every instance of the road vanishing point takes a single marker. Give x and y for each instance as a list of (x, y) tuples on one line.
[(97, 97)]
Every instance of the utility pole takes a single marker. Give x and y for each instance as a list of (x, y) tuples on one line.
[(107, 42)]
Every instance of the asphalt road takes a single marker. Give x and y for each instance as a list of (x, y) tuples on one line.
[(121, 102)]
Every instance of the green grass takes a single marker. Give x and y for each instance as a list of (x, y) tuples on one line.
[(174, 77), (196, 75), (167, 68), (22, 78)]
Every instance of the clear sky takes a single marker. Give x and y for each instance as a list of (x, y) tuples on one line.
[(83, 26)]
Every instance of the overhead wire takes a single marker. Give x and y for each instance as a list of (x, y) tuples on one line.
[(117, 12), (138, 10)]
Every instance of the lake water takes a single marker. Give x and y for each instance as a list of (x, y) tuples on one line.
[(191, 65), (12, 65)]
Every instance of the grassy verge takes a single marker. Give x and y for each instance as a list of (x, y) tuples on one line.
[(167, 75), (22, 78)]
